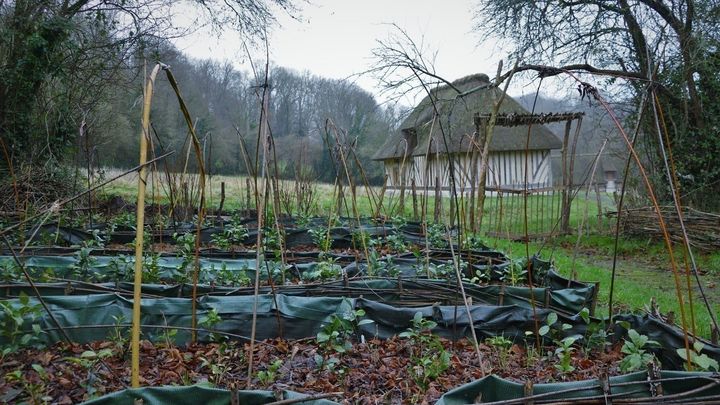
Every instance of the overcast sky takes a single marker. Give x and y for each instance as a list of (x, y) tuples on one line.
[(335, 38)]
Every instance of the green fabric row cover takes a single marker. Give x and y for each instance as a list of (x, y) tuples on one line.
[(340, 236), (493, 388), (693, 385), (393, 291), (193, 395), (92, 317), (554, 291)]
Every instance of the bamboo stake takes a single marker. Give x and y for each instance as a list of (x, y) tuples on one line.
[(201, 208), (139, 228)]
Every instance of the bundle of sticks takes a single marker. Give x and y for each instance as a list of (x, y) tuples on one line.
[(703, 228)]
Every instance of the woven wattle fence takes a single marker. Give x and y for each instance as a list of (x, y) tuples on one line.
[(703, 228)]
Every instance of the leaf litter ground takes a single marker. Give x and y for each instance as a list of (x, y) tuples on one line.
[(377, 371)]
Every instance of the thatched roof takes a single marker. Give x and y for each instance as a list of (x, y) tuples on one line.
[(456, 116)]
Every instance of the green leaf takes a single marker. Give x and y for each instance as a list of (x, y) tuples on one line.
[(14, 375), (365, 322), (585, 315), (551, 318), (40, 370), (706, 363), (624, 324), (569, 341), (638, 339), (88, 354), (629, 348), (544, 330)]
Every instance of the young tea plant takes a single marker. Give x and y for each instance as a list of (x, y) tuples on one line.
[(428, 357), (702, 361), (335, 338), (36, 392), (267, 377), (563, 352), (209, 321), (186, 250), (151, 268), (636, 354), (82, 268), (321, 238), (228, 277), (515, 273), (325, 269), (551, 328), (234, 233), (397, 242), (501, 347), (118, 335), (596, 336), (436, 236), (13, 328), (89, 360), (337, 335)]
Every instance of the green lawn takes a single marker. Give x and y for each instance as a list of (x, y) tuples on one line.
[(643, 273)]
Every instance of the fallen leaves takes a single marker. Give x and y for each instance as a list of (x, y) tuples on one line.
[(378, 371)]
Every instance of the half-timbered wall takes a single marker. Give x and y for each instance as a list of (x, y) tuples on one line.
[(505, 170)]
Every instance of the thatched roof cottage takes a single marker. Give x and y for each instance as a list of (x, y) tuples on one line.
[(421, 149)]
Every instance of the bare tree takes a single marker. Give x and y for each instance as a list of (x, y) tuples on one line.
[(672, 44), (57, 57)]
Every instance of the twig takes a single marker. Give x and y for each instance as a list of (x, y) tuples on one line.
[(35, 290), (59, 204), (306, 399)]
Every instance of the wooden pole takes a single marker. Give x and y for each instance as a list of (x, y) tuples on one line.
[(340, 197), (599, 207), (414, 199), (566, 182), (139, 228), (248, 187), (438, 199), (222, 199), (401, 204)]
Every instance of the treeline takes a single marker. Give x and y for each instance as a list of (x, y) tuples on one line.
[(71, 79), (225, 105)]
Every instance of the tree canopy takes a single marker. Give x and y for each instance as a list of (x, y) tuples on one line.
[(58, 59), (668, 46)]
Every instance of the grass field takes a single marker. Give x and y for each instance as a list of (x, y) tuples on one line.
[(643, 271)]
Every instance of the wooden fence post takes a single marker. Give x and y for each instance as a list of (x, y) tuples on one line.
[(401, 205), (414, 199), (247, 196), (566, 182), (438, 199), (339, 199)]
